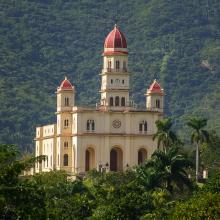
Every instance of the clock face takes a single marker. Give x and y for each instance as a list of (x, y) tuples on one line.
[(116, 123)]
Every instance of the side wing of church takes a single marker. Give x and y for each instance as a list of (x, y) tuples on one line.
[(112, 136)]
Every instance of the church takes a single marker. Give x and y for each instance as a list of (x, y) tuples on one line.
[(112, 136)]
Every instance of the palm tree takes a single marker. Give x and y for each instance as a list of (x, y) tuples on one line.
[(165, 135), (198, 137), (167, 169)]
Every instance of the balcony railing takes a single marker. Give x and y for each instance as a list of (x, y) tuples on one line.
[(114, 70)]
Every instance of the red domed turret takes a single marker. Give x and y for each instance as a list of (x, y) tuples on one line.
[(66, 85), (115, 39), (155, 88), (115, 43)]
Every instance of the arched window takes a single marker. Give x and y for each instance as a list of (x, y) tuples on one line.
[(111, 81), (157, 103), (123, 101), (142, 155), (90, 125), (66, 123), (117, 101), (66, 144), (143, 127), (123, 81), (124, 66), (66, 101), (65, 160), (117, 65), (111, 101), (109, 65)]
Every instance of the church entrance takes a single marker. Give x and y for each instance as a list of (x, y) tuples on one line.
[(116, 159), (89, 159), (142, 155)]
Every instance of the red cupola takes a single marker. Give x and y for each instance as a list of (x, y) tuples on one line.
[(66, 85), (155, 88), (115, 43)]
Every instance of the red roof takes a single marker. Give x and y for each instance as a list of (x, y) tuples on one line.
[(155, 88), (115, 39), (65, 84)]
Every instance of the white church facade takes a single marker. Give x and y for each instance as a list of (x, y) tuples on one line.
[(114, 135)]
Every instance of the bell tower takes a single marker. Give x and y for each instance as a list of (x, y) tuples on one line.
[(154, 97), (115, 76), (65, 102)]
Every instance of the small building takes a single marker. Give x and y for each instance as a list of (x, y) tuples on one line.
[(115, 134)]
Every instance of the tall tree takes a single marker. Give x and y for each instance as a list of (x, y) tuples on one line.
[(168, 169), (165, 136), (198, 137)]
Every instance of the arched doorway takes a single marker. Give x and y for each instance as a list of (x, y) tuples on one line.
[(89, 159), (142, 155), (116, 159)]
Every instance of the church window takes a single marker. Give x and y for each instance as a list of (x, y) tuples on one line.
[(66, 123), (117, 65), (66, 144), (117, 101), (143, 126), (140, 127), (157, 103), (65, 160), (124, 66), (66, 102), (123, 101), (109, 65), (111, 81), (93, 125), (123, 81), (90, 125), (111, 101)]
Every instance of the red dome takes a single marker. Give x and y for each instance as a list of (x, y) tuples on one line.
[(65, 84), (155, 88), (115, 39)]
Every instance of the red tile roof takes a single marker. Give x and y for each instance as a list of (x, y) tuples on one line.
[(66, 85), (155, 88), (115, 39)]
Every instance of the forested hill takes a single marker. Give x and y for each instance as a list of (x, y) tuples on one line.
[(41, 41)]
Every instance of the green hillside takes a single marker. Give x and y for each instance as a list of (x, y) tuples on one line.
[(41, 41)]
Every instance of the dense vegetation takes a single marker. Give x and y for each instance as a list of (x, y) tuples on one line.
[(160, 188), (43, 40)]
